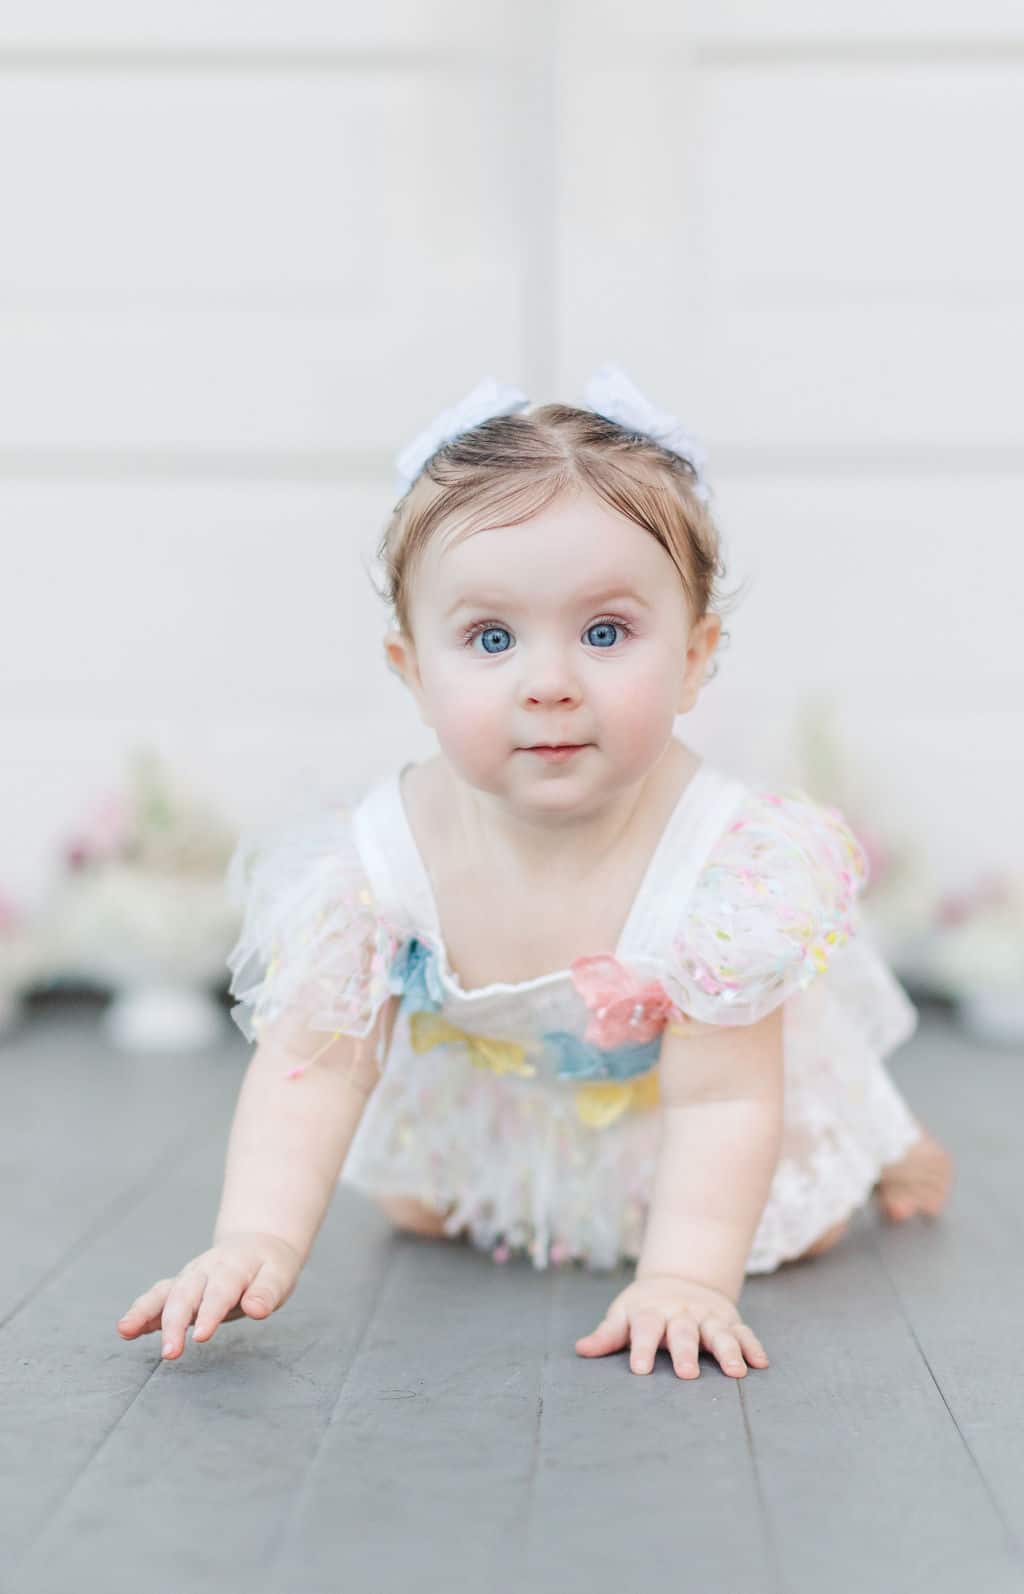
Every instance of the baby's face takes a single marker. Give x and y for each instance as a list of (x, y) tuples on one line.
[(570, 629)]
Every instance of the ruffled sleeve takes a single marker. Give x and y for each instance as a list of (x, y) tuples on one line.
[(313, 956), (774, 902)]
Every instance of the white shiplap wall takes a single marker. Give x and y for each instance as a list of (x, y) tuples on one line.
[(249, 250)]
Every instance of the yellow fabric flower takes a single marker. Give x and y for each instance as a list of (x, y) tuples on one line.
[(485, 1051), (600, 1104)]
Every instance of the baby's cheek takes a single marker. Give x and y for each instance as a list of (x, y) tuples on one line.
[(641, 719), (473, 737)]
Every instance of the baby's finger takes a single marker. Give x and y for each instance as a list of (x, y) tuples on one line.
[(683, 1339), (753, 1350), (186, 1293), (264, 1293), (143, 1315), (725, 1346), (647, 1327), (610, 1334), (222, 1292)]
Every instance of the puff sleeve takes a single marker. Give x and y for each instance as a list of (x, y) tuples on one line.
[(313, 957), (771, 906)]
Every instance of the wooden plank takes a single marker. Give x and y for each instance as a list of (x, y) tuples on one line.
[(86, 1129), (639, 1479), (851, 1434), (958, 1280), (425, 1470), (117, 1466), (417, 1418)]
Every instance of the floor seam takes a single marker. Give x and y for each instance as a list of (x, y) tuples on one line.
[(1014, 1543)]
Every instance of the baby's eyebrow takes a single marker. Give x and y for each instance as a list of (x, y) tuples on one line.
[(584, 601)]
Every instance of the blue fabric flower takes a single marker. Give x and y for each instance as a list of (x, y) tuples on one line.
[(413, 973), (580, 1060)]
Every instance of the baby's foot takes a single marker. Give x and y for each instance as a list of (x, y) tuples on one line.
[(919, 1182)]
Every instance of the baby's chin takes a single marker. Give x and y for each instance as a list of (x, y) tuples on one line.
[(535, 787)]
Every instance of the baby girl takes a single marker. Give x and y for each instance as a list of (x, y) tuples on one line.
[(563, 989)]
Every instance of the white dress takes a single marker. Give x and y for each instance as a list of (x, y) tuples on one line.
[(530, 1110)]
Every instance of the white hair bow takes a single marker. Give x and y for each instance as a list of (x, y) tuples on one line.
[(488, 398), (609, 393)]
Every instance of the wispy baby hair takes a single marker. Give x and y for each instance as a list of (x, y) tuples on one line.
[(508, 468)]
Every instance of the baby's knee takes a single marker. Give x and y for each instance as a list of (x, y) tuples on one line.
[(826, 1241)]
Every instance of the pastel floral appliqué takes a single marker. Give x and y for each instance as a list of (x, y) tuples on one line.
[(626, 1010), (599, 1105), (581, 1060), (485, 1051), (414, 975)]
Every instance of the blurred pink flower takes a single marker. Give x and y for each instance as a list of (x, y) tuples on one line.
[(102, 835)]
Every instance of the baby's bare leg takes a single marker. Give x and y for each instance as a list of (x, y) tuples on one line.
[(825, 1241), (407, 1213)]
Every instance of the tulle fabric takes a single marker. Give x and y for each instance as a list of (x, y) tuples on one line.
[(516, 1168), (469, 1118), (312, 959), (772, 906)]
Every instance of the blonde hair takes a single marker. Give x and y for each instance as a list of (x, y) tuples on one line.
[(507, 469)]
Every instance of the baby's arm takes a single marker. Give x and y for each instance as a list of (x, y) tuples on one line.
[(288, 1142), (721, 1091), (289, 1138)]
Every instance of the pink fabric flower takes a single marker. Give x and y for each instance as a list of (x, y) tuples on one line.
[(627, 1010)]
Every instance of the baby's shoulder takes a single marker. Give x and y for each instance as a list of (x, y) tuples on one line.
[(772, 901)]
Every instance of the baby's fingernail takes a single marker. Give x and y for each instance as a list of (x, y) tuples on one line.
[(168, 1347)]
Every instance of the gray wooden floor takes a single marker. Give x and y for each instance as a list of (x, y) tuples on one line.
[(416, 1418)]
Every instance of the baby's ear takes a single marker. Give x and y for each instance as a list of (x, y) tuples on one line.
[(395, 653), (401, 660), (702, 644)]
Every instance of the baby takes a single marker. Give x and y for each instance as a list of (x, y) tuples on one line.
[(563, 988)]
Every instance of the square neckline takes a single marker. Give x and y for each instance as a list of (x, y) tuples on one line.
[(424, 903)]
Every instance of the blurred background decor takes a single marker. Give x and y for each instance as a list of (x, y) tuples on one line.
[(23, 961), (977, 955), (343, 216), (139, 908)]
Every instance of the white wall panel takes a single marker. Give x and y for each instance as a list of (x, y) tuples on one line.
[(748, 24), (249, 251), (350, 24), (858, 182), (218, 261), (892, 591), (812, 262), (237, 595)]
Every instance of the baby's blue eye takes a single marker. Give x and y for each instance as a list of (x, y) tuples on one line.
[(605, 630), (496, 632)]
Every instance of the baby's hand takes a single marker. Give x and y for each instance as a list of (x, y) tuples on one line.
[(665, 1308), (259, 1271)]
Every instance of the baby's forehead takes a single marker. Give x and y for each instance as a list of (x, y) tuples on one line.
[(583, 549)]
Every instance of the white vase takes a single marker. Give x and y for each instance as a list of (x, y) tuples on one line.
[(163, 1018)]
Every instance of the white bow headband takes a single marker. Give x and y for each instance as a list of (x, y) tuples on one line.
[(609, 393)]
